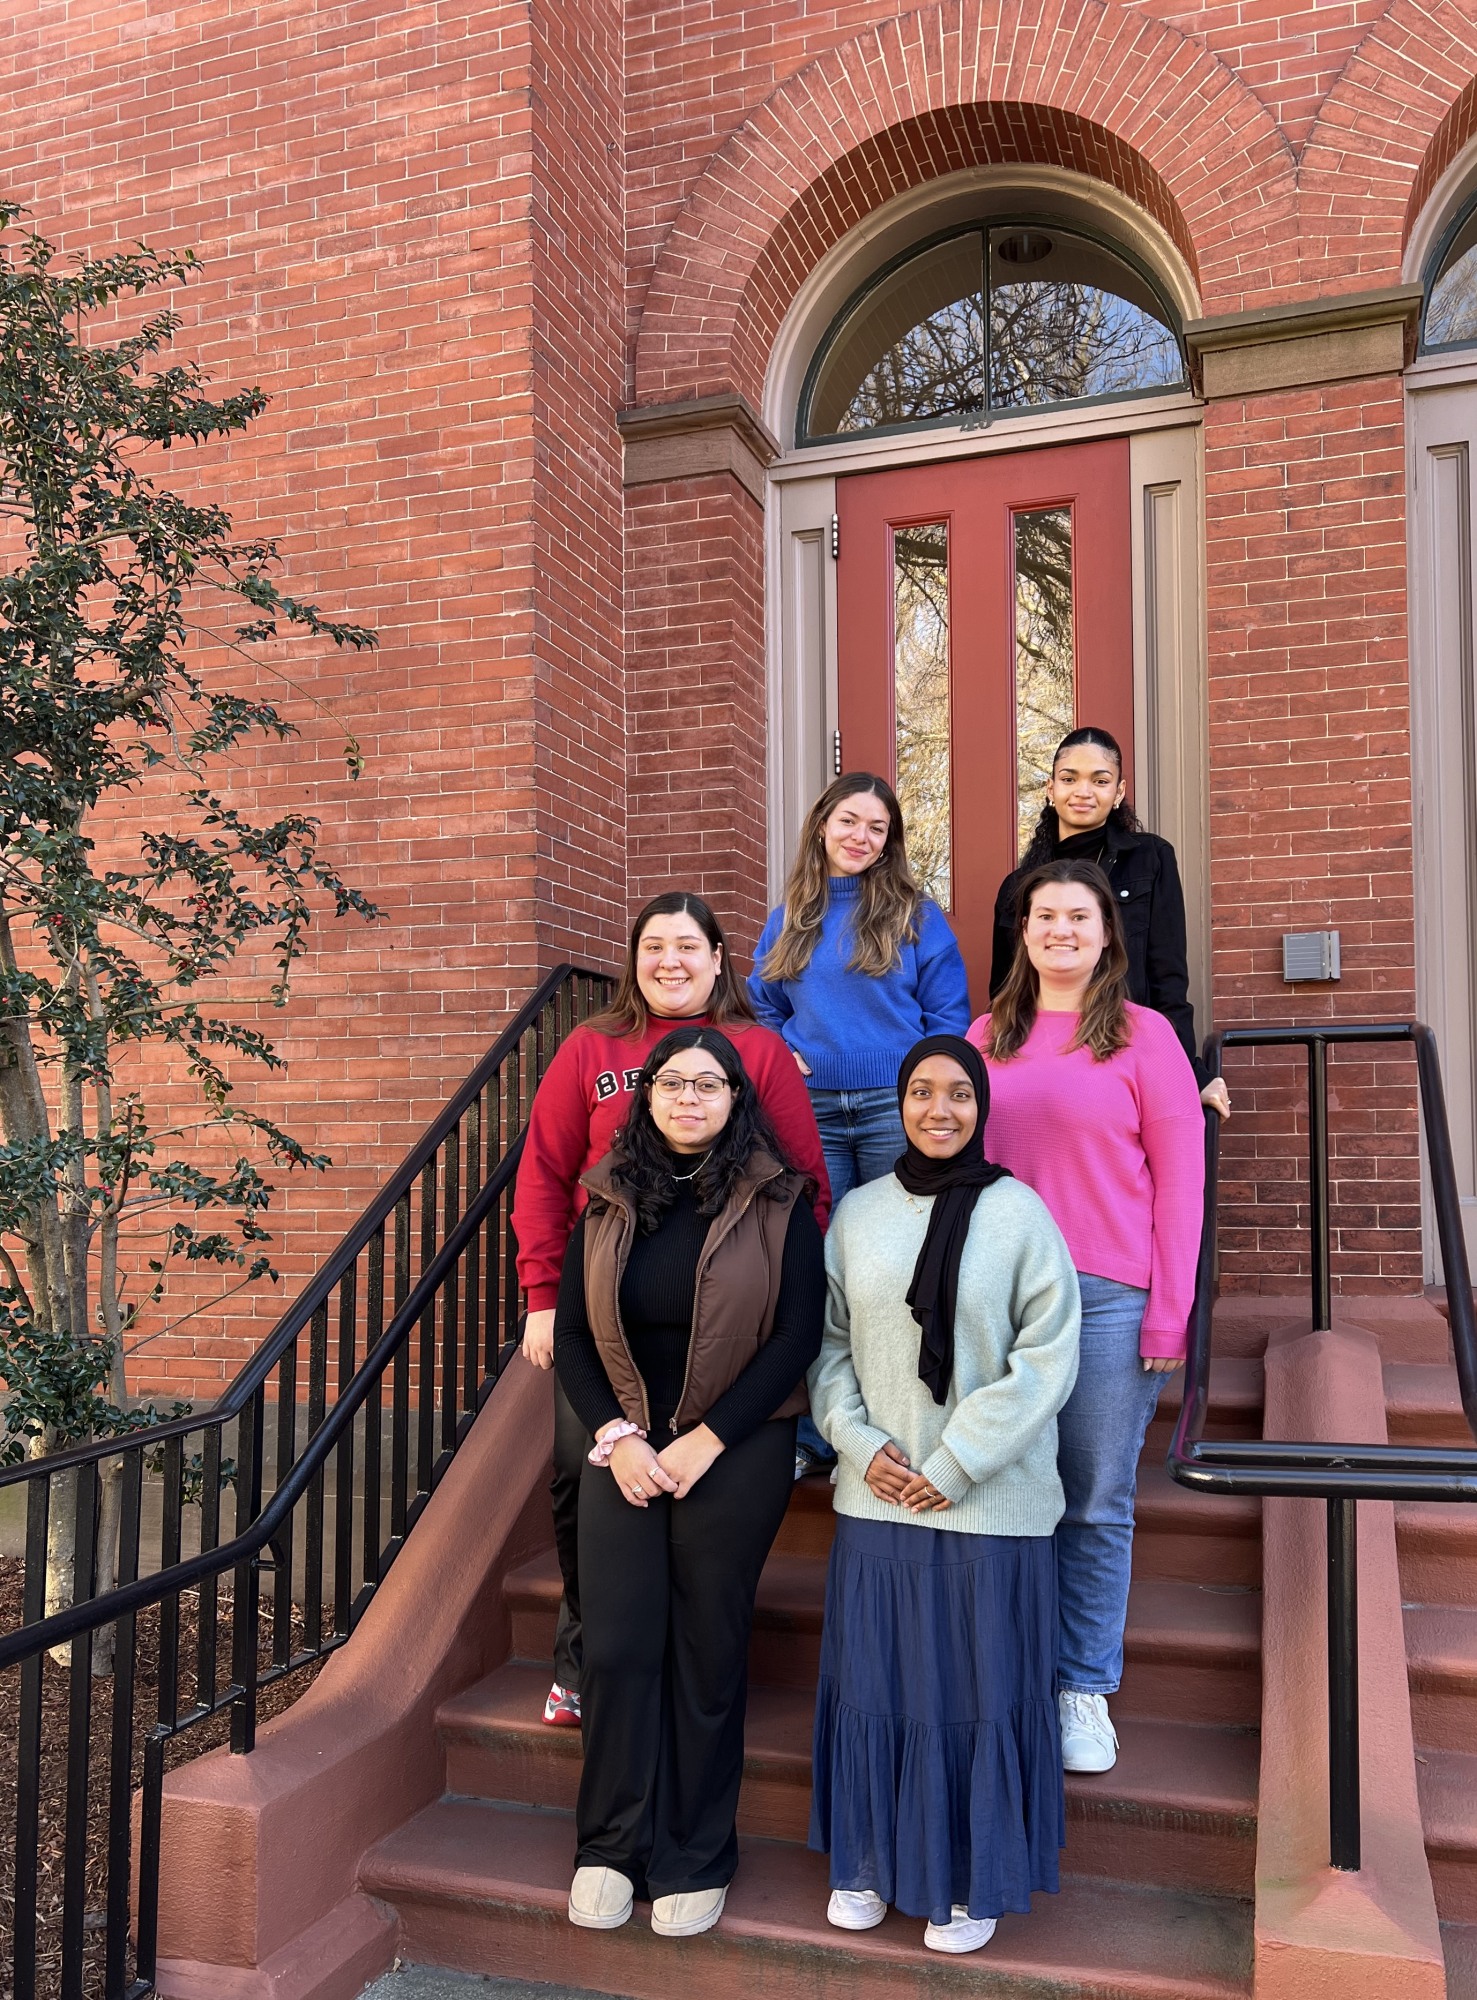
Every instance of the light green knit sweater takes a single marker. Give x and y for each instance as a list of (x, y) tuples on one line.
[(991, 1446)]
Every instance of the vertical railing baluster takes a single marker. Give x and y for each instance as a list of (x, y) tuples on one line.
[(492, 1234), (1318, 1179), (450, 1327), (472, 1288), (374, 1326), (426, 1405), (313, 1510), (151, 1812), (170, 1533), (120, 1771), (400, 1405), (246, 1609), (343, 1470), (282, 1548), (79, 1743), (1343, 1685), (28, 1745), (210, 1537)]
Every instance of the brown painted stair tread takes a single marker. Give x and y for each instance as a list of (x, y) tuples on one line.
[(479, 1885), (1178, 1808), (1448, 1791), (1423, 1404)]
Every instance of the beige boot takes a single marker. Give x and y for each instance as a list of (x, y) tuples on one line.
[(600, 1899), (685, 1915)]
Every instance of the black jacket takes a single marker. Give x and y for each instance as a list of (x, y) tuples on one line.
[(1146, 880)]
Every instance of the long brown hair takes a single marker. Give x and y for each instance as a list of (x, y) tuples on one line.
[(887, 913), (1103, 1025), (628, 1013)]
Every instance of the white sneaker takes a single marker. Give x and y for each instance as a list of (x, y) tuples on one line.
[(855, 1909), (1089, 1740), (962, 1932)]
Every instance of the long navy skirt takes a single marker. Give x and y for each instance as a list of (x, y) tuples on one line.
[(938, 1766)]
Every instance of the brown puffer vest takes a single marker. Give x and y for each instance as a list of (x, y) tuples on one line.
[(738, 1283)]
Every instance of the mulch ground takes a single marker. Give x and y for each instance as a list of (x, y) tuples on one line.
[(56, 1695)]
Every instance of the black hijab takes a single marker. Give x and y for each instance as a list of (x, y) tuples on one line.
[(955, 1184)]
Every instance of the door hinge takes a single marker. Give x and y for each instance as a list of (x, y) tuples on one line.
[(835, 753), (835, 538)]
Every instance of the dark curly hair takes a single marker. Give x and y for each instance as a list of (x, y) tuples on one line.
[(642, 1161), (1047, 830)]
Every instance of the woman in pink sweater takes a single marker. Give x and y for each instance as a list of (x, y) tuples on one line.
[(1094, 1105)]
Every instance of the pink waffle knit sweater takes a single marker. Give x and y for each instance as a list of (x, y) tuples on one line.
[(1116, 1150)]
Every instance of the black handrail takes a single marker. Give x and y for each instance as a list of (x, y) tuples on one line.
[(1337, 1473), (423, 1295), (257, 1369)]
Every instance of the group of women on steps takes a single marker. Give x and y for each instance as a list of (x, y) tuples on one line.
[(980, 1335)]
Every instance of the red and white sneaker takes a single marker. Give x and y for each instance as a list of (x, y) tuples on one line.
[(562, 1709)]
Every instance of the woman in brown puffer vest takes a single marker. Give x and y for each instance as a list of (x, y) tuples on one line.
[(690, 1307)]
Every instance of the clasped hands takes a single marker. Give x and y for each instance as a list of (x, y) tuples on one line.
[(892, 1478), (643, 1474)]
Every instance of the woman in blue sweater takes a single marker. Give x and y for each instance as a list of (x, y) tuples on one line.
[(853, 968)]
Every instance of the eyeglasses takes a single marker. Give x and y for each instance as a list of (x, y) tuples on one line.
[(670, 1085)]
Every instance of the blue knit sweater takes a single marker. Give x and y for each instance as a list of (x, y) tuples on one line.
[(851, 1029)]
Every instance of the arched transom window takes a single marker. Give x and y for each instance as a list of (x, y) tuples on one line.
[(988, 320), (1450, 318)]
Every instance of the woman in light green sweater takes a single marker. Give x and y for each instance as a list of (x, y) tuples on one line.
[(950, 1345)]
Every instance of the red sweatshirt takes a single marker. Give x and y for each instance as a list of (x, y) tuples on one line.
[(585, 1095)]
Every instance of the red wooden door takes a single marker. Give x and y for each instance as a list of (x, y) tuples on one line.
[(984, 608)]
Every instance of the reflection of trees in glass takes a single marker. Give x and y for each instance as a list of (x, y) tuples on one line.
[(1452, 313), (1044, 689), (921, 698), (935, 370), (1050, 343)]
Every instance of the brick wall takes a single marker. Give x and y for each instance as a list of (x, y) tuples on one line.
[(452, 237), (1311, 811)]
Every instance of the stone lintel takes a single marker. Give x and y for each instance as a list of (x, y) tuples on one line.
[(706, 434), (1307, 342)]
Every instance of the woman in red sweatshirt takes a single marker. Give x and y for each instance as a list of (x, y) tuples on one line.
[(677, 969)]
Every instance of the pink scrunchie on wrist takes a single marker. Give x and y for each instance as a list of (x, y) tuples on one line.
[(606, 1445)]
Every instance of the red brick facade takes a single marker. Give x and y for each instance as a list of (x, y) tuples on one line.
[(455, 238)]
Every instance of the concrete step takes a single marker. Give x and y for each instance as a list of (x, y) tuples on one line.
[(1448, 1789), (1190, 1537), (1193, 1652), (1441, 1659), (1179, 1809), (1436, 1541), (1236, 1395), (483, 1887), (1423, 1406)]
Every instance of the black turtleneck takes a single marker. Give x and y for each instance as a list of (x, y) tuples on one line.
[(656, 1300)]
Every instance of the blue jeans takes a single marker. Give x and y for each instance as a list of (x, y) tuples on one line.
[(861, 1136), (1100, 1435)]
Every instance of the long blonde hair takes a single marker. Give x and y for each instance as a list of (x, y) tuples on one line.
[(888, 910), (1103, 1025)]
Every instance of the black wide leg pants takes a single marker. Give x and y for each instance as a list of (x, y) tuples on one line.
[(668, 1600), (571, 1442)]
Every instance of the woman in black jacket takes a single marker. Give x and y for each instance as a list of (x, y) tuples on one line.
[(1086, 817)]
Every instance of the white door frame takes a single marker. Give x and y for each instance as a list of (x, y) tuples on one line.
[(1441, 447), (1169, 626)]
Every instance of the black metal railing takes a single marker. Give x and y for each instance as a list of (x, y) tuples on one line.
[(333, 1436), (1338, 1473)]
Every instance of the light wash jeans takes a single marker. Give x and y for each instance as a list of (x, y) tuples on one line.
[(1100, 1435), (861, 1136)]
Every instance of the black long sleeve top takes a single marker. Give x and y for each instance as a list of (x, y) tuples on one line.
[(656, 1301)]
